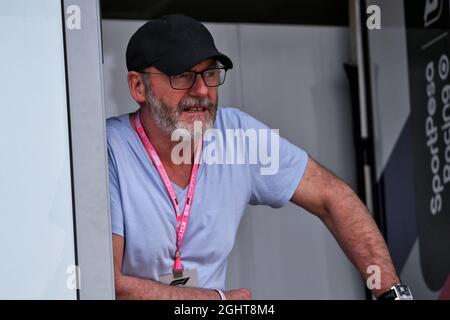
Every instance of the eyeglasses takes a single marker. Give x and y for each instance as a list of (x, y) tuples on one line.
[(213, 77)]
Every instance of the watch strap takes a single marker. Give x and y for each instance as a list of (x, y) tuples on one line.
[(397, 292), (388, 295)]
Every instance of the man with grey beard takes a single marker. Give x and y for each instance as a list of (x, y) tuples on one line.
[(174, 224)]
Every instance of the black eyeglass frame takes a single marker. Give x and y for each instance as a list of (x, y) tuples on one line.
[(196, 73)]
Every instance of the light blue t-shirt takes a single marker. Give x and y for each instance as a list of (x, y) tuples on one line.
[(143, 214)]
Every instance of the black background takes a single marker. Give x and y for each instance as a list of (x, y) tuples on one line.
[(313, 12), (433, 230)]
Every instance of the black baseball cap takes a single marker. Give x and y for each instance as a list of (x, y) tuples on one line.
[(173, 44)]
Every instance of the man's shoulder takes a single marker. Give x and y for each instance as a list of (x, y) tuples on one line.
[(230, 117), (229, 112), (116, 122), (235, 118), (118, 127)]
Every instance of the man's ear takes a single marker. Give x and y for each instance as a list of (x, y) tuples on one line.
[(136, 86)]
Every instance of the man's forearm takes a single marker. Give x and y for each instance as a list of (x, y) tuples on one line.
[(353, 227), (142, 289)]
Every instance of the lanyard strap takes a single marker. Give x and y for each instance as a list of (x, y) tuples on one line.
[(183, 217)]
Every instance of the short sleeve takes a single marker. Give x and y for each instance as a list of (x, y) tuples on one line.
[(279, 168), (117, 220)]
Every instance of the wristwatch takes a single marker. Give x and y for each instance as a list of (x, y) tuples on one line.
[(397, 292)]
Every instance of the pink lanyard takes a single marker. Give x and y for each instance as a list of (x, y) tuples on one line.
[(182, 218)]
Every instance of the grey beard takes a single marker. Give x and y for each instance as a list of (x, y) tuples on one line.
[(160, 114), (167, 120)]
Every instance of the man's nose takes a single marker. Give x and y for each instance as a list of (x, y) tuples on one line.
[(199, 88)]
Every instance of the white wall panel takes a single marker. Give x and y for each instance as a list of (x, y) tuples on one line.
[(36, 214)]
